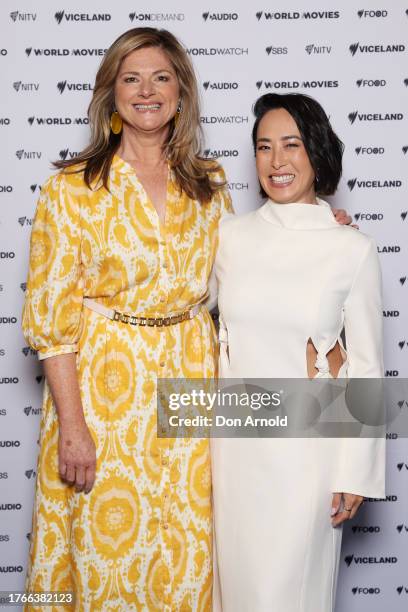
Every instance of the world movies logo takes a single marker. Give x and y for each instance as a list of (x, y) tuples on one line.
[(295, 15)]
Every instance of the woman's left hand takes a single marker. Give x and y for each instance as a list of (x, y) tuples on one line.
[(342, 217), (344, 507)]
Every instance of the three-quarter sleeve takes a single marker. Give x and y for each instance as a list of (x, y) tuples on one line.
[(53, 301), (362, 460)]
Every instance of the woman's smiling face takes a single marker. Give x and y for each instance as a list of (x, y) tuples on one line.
[(147, 90), (283, 165)]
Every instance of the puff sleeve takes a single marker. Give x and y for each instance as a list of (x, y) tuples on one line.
[(362, 460), (53, 301)]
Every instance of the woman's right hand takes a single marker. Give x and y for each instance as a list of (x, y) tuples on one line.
[(77, 456)]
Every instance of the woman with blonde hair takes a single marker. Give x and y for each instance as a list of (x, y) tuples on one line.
[(122, 248)]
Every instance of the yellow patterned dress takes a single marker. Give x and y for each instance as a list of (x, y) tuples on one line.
[(142, 539)]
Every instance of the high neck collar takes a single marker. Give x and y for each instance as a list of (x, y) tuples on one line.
[(299, 216)]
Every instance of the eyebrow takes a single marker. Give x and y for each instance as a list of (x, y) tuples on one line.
[(283, 138), (155, 72)]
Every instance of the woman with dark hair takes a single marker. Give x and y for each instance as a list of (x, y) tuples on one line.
[(122, 247), (290, 281)]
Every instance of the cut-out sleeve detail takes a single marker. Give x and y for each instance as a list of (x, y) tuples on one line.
[(362, 460)]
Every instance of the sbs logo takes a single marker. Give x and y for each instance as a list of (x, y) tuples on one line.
[(276, 50)]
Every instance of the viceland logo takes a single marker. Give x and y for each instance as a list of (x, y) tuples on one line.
[(348, 559), (351, 183), (61, 86), (354, 47), (66, 153), (352, 117), (58, 16)]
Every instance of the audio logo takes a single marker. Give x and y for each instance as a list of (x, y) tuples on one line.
[(220, 16), (220, 85)]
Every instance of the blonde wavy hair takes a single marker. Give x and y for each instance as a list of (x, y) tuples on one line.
[(184, 143)]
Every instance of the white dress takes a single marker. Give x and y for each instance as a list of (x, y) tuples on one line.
[(287, 273)]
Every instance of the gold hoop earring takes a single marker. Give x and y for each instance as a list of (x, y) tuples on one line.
[(116, 122), (177, 115)]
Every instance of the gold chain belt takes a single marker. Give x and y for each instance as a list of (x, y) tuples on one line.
[(130, 319)]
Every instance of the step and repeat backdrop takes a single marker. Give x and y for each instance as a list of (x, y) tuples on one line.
[(351, 57)]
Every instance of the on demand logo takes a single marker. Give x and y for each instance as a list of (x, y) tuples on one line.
[(156, 16)]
